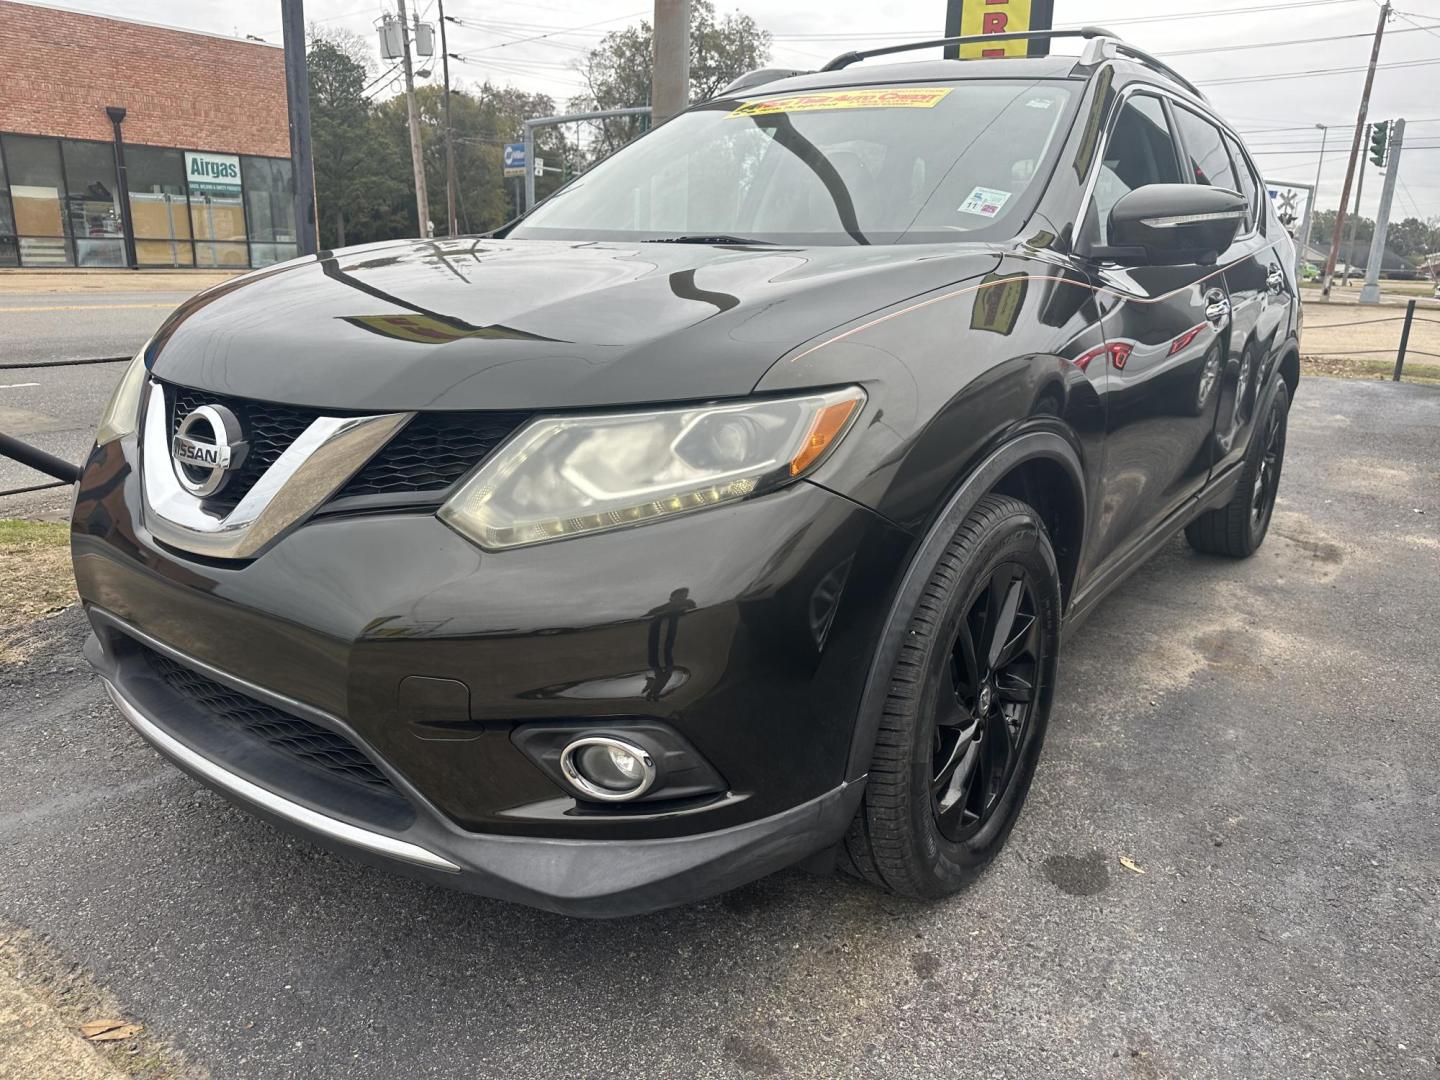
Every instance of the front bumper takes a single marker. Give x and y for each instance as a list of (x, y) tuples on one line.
[(596, 878), (745, 629)]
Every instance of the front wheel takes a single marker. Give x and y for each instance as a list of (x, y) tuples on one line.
[(966, 709), (1238, 528)]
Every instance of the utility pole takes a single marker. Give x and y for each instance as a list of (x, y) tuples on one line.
[(449, 130), (297, 90), (417, 159), (1355, 148), (1370, 294), (670, 76), (1354, 220)]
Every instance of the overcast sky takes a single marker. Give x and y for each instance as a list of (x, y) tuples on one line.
[(808, 32)]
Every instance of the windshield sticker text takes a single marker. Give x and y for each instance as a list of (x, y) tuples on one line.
[(987, 202), (907, 97)]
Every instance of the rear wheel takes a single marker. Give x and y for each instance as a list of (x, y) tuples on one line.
[(1238, 528), (966, 710)]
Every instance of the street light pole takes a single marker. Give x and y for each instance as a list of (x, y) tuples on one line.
[(417, 159), (1314, 196)]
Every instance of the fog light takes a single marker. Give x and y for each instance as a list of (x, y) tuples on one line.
[(607, 769)]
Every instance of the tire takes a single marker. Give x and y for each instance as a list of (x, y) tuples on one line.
[(1238, 528), (959, 737)]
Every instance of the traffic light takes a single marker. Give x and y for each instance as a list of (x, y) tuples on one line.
[(1379, 142)]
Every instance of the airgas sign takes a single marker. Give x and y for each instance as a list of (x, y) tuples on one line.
[(212, 174)]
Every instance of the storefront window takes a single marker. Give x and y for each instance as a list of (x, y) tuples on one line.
[(217, 213), (92, 203), (158, 209), (9, 255), (270, 209), (33, 164)]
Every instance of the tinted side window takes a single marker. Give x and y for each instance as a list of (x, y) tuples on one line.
[(1206, 158), (1250, 185), (1140, 151)]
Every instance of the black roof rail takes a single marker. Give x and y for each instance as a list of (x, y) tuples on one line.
[(1097, 34), (846, 59), (1126, 49)]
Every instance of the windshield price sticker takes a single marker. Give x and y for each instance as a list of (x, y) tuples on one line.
[(900, 97), (987, 202)]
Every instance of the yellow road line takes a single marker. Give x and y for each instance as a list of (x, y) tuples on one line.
[(85, 307)]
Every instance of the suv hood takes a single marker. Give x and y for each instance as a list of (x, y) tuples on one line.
[(477, 323)]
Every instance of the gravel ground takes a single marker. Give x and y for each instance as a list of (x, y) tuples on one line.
[(1258, 738)]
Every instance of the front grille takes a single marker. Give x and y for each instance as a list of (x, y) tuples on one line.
[(432, 452), (428, 455), (269, 429), (316, 746)]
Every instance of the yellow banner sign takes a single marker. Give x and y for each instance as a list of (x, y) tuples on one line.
[(892, 97), (1002, 17)]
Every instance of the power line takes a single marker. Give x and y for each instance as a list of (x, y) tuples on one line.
[(1277, 44), (1277, 76)]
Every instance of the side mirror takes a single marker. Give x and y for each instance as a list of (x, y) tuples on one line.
[(1174, 224)]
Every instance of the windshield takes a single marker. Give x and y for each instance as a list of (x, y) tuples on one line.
[(868, 165)]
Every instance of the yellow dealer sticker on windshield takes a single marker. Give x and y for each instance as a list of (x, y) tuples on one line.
[(895, 97)]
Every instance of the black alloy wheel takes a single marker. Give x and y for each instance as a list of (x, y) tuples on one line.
[(983, 712), (1238, 528), (966, 706), (1267, 476)]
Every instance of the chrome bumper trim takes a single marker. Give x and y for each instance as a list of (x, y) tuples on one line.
[(272, 803)]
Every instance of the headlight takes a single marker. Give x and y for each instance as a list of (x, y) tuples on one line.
[(122, 414), (566, 476)]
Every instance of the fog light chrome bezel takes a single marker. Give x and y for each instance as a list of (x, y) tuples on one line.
[(589, 790)]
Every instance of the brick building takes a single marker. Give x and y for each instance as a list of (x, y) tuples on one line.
[(203, 139)]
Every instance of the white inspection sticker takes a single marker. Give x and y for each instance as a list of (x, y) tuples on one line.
[(987, 202)]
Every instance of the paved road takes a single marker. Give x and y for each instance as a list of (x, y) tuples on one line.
[(56, 409), (1260, 738)]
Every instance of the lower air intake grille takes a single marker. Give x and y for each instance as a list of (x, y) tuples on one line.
[(316, 746)]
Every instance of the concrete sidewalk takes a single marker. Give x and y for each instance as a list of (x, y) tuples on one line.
[(72, 281)]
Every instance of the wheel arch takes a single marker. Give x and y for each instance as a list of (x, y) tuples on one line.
[(1041, 468)]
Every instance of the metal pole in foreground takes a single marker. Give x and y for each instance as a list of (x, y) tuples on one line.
[(297, 91), (38, 459), (417, 158), (1370, 294), (670, 75), (1355, 150), (1404, 339)]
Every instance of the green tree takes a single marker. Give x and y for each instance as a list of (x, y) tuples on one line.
[(354, 178), (484, 119), (617, 72)]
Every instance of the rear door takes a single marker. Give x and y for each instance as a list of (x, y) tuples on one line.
[(1164, 333), (1210, 158)]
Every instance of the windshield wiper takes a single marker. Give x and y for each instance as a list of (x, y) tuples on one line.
[(705, 239)]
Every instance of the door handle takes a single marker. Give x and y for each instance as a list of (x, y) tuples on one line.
[(1218, 311), (1275, 280)]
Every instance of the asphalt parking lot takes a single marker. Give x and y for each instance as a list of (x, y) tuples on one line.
[(1260, 739)]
